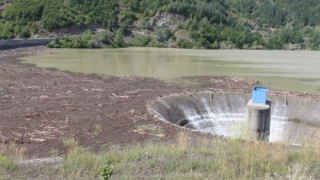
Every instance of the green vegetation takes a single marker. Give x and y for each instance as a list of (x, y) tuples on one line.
[(149, 129), (9, 156), (209, 23), (118, 39), (164, 34), (6, 164), (264, 12), (55, 15), (185, 44), (285, 37), (141, 41), (83, 41), (185, 158), (315, 40), (106, 172), (96, 130)]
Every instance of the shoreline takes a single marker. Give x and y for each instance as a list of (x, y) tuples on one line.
[(40, 106)]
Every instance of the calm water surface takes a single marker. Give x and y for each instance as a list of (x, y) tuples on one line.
[(283, 70)]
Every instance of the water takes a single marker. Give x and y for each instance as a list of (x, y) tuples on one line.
[(282, 70), (234, 126), (296, 122)]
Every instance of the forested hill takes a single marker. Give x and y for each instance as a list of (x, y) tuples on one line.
[(244, 24)]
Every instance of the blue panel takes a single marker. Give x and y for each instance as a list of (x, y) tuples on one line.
[(259, 95)]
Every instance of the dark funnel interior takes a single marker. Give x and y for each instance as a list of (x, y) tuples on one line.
[(294, 120)]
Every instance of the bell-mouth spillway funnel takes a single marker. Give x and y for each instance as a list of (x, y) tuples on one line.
[(293, 120)]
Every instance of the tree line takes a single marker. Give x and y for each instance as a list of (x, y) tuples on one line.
[(209, 22)]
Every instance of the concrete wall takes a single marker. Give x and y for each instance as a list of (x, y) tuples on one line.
[(16, 43), (292, 118)]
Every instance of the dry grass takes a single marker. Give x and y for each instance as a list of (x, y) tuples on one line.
[(186, 158), (9, 156)]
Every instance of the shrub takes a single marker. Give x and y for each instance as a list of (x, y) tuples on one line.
[(164, 35), (185, 44), (181, 25), (34, 28), (83, 41), (24, 11), (119, 39), (106, 172), (127, 17), (56, 15), (104, 37), (315, 40), (24, 33), (141, 41), (124, 28), (215, 45), (6, 31), (6, 164)]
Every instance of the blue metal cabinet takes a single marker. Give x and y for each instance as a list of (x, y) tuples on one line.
[(259, 95)]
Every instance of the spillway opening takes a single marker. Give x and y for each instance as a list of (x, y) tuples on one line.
[(294, 120)]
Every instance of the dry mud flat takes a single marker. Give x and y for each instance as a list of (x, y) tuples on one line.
[(40, 107)]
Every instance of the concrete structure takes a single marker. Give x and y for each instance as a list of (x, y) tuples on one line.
[(294, 120), (17, 43), (258, 117)]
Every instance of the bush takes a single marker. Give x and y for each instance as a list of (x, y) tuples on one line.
[(275, 43), (127, 17), (24, 11), (315, 40), (141, 41), (215, 45), (100, 12), (56, 15), (6, 164), (106, 172), (291, 36), (6, 31), (24, 33), (181, 25), (119, 39), (105, 38), (164, 35), (214, 11), (185, 44), (83, 41), (285, 37), (124, 28)]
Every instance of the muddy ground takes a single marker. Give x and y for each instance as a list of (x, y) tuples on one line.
[(40, 107)]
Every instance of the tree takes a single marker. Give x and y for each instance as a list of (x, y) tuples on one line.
[(119, 39)]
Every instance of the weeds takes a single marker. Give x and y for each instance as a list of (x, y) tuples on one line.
[(9, 156), (96, 130), (6, 164), (69, 142), (186, 158), (149, 128), (106, 172)]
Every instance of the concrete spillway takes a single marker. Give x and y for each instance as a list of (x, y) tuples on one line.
[(294, 120)]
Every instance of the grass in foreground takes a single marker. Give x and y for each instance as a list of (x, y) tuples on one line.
[(186, 158)]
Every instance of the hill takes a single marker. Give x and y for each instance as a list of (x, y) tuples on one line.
[(212, 24)]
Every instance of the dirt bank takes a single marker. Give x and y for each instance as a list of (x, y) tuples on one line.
[(39, 107)]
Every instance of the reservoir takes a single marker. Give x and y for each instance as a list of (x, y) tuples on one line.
[(281, 70)]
